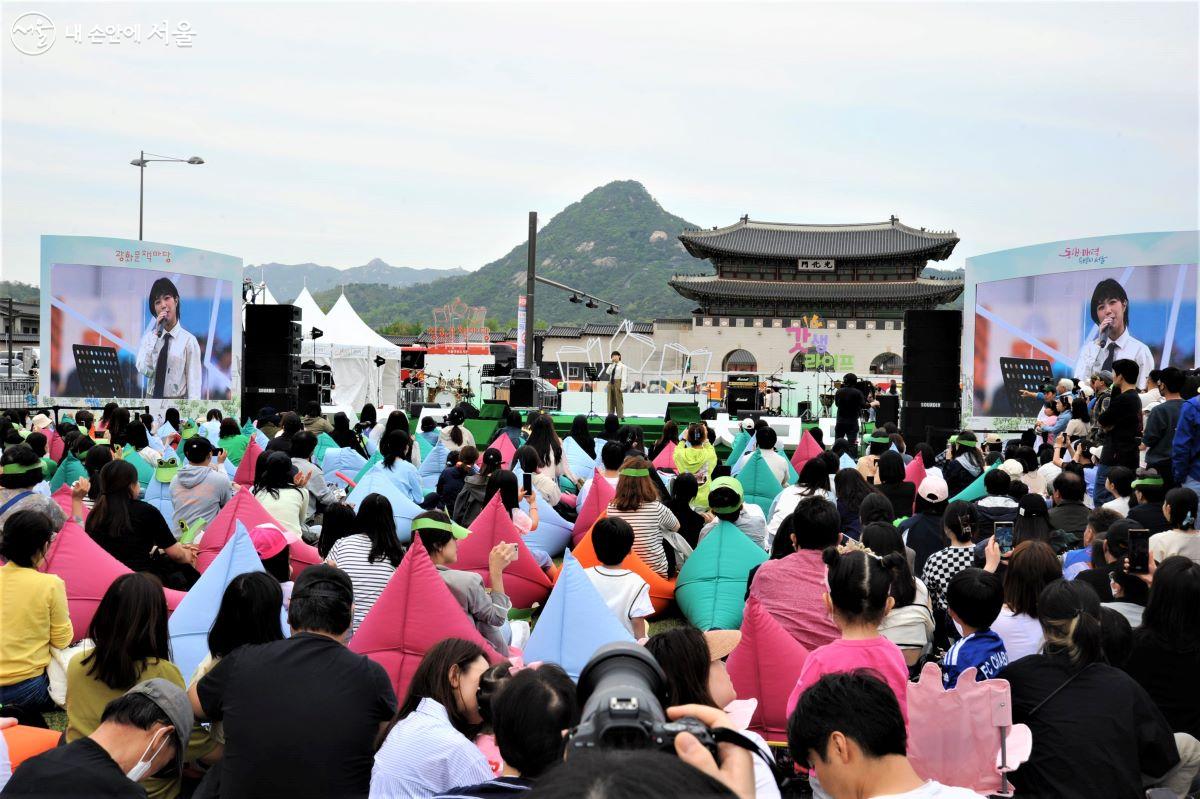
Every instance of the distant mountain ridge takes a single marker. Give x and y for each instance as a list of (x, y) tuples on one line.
[(287, 280)]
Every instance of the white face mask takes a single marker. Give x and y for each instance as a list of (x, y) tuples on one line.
[(958, 627), (143, 765)]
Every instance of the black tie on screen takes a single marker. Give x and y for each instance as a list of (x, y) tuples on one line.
[(1108, 359), (160, 369)]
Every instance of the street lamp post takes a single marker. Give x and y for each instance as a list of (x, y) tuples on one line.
[(140, 162)]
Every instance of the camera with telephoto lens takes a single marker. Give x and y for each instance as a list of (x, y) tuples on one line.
[(622, 690)]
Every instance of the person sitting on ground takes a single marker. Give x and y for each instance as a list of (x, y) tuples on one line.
[(37, 443), (909, 624), (959, 523), (963, 463), (792, 588), (655, 528), (683, 494), (488, 609), (813, 481), (858, 599), (669, 435), (395, 447), (33, 606), (345, 436), (875, 508), (1120, 485), (135, 436), (198, 490), (454, 435), (1124, 739), (694, 664), (270, 697), (545, 485), (370, 556), (697, 456), (923, 531), (1031, 567), (546, 443), (135, 533), (1077, 560), (764, 442), (851, 490), (582, 436), (1167, 644), (1148, 494), (289, 425), (728, 505), (320, 493), (280, 489), (512, 429), (1180, 510), (473, 496), (232, 440), (22, 471), (314, 421), (528, 714), (625, 592), (851, 732), (997, 505), (891, 483), (974, 598), (428, 747), (459, 466), (141, 733), (612, 455), (504, 483), (339, 521), (267, 422), (1070, 512)]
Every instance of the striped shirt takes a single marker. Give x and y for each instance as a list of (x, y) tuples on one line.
[(649, 522), (424, 755), (369, 579)]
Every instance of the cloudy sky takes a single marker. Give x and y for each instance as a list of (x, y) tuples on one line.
[(423, 133)]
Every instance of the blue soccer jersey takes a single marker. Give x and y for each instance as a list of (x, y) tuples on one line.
[(983, 649)]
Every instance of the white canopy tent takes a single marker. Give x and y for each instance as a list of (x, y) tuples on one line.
[(268, 298), (310, 315), (349, 347)]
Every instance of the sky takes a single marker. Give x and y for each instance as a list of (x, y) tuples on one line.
[(422, 134)]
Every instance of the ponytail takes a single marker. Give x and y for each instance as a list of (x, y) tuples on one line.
[(1183, 504), (904, 585), (456, 435), (859, 584), (1069, 612)]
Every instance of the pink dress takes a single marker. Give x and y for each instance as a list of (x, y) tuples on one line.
[(875, 654)]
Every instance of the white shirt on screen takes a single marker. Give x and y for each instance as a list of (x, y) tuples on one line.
[(183, 362), (1092, 357)]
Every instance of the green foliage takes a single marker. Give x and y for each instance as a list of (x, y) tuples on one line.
[(601, 245), (20, 292)]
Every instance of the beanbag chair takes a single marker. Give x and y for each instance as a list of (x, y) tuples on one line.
[(244, 474), (975, 490), (55, 446), (582, 465), (666, 458), (508, 452), (600, 493), (144, 470), (524, 581), (711, 588), (341, 459), (88, 570), (23, 742), (158, 494), (301, 555), (244, 508), (574, 624), (759, 482), (737, 447), (423, 446), (807, 449), (69, 470), (404, 510), (366, 467), (662, 590), (914, 471), (553, 532), (766, 664), (191, 621), (325, 442), (432, 465), (415, 611), (846, 462)]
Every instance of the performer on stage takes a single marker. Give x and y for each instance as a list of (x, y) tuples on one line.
[(1110, 311), (168, 356), (616, 373)]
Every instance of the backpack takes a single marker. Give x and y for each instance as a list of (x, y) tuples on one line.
[(469, 503)]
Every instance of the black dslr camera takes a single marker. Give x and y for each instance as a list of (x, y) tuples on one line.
[(622, 691)]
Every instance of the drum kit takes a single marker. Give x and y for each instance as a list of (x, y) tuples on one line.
[(440, 390), (771, 395)]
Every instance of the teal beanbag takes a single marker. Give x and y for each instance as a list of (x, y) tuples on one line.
[(758, 482), (145, 471), (740, 442), (711, 589), (324, 442)]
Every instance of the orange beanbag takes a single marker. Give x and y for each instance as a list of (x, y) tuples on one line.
[(662, 590)]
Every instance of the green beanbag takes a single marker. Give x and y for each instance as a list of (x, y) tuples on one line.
[(759, 483), (711, 588)]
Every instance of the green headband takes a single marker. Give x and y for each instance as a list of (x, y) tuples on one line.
[(1147, 481), (634, 472), (963, 442), (872, 439), (456, 530), (16, 468)]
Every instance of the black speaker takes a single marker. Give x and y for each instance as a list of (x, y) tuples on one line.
[(709, 414), (306, 393), (414, 410), (741, 400), (682, 412), (520, 391), (932, 399), (888, 410), (271, 347), (468, 410), (254, 400), (803, 408)]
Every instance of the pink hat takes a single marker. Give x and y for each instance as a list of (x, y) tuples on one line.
[(934, 489), (268, 540)]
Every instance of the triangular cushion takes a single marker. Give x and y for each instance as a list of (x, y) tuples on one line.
[(805, 451), (711, 588), (766, 665), (63, 497), (68, 472), (914, 472), (54, 444), (846, 462), (574, 624), (404, 510), (344, 460), (582, 465), (414, 612), (191, 621), (666, 458), (524, 581), (507, 450), (158, 494), (144, 469), (758, 482), (325, 443), (302, 555), (245, 470), (976, 489), (600, 493), (432, 465), (88, 570), (662, 590), (423, 446), (737, 447), (244, 508), (553, 532)]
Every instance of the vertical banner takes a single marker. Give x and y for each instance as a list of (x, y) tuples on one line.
[(521, 332)]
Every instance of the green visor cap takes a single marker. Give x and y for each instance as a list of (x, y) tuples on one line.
[(733, 485), (456, 530)]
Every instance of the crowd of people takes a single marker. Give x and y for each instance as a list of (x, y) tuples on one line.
[(1064, 561)]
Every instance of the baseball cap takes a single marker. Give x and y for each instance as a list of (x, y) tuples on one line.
[(721, 642), (733, 485), (1086, 391), (174, 703), (197, 448), (934, 489), (993, 438), (748, 423), (1103, 374), (1032, 505), (1013, 467), (323, 580), (269, 540)]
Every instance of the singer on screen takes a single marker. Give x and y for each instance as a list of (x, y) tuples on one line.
[(1113, 341), (169, 356)]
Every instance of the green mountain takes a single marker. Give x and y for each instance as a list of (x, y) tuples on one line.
[(286, 280), (20, 292), (616, 243)]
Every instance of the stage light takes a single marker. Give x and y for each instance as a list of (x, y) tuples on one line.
[(379, 360), (315, 333), (612, 311), (591, 304), (195, 159), (575, 299)]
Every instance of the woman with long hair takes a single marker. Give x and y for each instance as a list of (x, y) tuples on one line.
[(454, 435), (395, 448), (545, 442), (1080, 709), (279, 488), (655, 528), (543, 483), (909, 624), (1080, 420), (110, 408), (513, 429), (964, 462), (669, 435), (232, 440), (683, 494), (1031, 567), (891, 483), (875, 507), (118, 427), (134, 532), (612, 427), (344, 436), (429, 746), (582, 436), (504, 483), (851, 488), (398, 420), (338, 522), (369, 556), (1033, 520)]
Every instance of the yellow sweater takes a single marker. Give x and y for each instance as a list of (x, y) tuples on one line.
[(33, 615)]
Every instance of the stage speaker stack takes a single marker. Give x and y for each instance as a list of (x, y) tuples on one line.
[(888, 410), (520, 389), (682, 413), (493, 409), (931, 409), (271, 359), (741, 394)]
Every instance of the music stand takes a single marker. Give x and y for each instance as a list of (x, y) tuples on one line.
[(487, 370), (99, 371), (1028, 374), (591, 374)]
